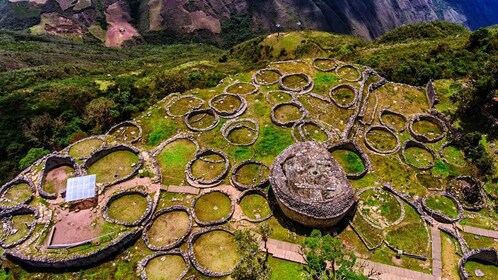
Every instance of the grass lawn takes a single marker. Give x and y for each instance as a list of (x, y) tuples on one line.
[(278, 96), (212, 206), (348, 73), (395, 121), (216, 251), (165, 267), (168, 228), (282, 269), (85, 148), (429, 181), (442, 204), (287, 113), (343, 96), (173, 159), (381, 207), (410, 235), (114, 166), (241, 88), (490, 271), (314, 133), (184, 105), (268, 76), (126, 133), (350, 161), (419, 157), (427, 128), (381, 139), (226, 103), (249, 174), (128, 208), (454, 155), (480, 242), (255, 206), (16, 194), (208, 167), (201, 120), (18, 223), (295, 82), (242, 135)]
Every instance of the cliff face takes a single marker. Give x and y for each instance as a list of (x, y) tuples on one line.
[(366, 18)]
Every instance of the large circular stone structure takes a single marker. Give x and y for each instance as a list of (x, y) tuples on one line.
[(310, 187)]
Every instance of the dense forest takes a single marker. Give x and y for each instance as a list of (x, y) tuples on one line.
[(54, 91)]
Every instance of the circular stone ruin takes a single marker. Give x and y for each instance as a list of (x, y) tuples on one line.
[(127, 131), (443, 207), (352, 159), (213, 251), (183, 104), (85, 147), (228, 105), (481, 263), (452, 154), (239, 88), (164, 265), (393, 120), (240, 132), (128, 208), (417, 155), (279, 96), (310, 187), (250, 174), (114, 164), (202, 120), (207, 169), (310, 130), (255, 206), (55, 173), (266, 77), (468, 191), (168, 228), (381, 140), (324, 64), (18, 223), (427, 128), (344, 96), (298, 82), (288, 113), (380, 208), (16, 192), (349, 73), (212, 208)]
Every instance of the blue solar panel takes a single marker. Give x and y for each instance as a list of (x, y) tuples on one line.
[(80, 188)]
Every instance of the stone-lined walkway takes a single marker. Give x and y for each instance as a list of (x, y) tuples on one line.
[(480, 231)]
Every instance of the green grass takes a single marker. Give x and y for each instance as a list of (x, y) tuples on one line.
[(443, 204), (410, 235), (18, 223), (272, 141), (490, 270), (240, 88), (419, 157), (476, 241), (380, 206), (160, 130), (126, 133), (254, 206), (207, 169), (216, 251), (427, 128), (165, 267), (348, 73), (114, 166), (350, 161), (212, 207), (454, 155), (128, 208), (287, 113), (381, 139), (173, 159), (395, 121), (282, 269), (167, 228), (249, 174), (16, 194), (85, 148)]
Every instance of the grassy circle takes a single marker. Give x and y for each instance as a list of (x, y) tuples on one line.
[(418, 157), (380, 207), (114, 166), (252, 174), (349, 73), (313, 132), (165, 267), (295, 82), (278, 96), (128, 208), (126, 133), (490, 271), (216, 251), (226, 102), (255, 206), (18, 223), (85, 148), (16, 194), (185, 104), (442, 204), (267, 76), (430, 130), (344, 96), (350, 161), (212, 206), (201, 120), (381, 140), (208, 167), (241, 88), (394, 121), (287, 113), (168, 228)]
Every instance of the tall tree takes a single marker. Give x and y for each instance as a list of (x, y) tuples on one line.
[(252, 262)]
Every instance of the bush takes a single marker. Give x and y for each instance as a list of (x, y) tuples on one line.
[(33, 155)]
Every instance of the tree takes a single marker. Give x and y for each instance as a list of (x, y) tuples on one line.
[(100, 113), (326, 259), (252, 263), (33, 155), (266, 230)]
